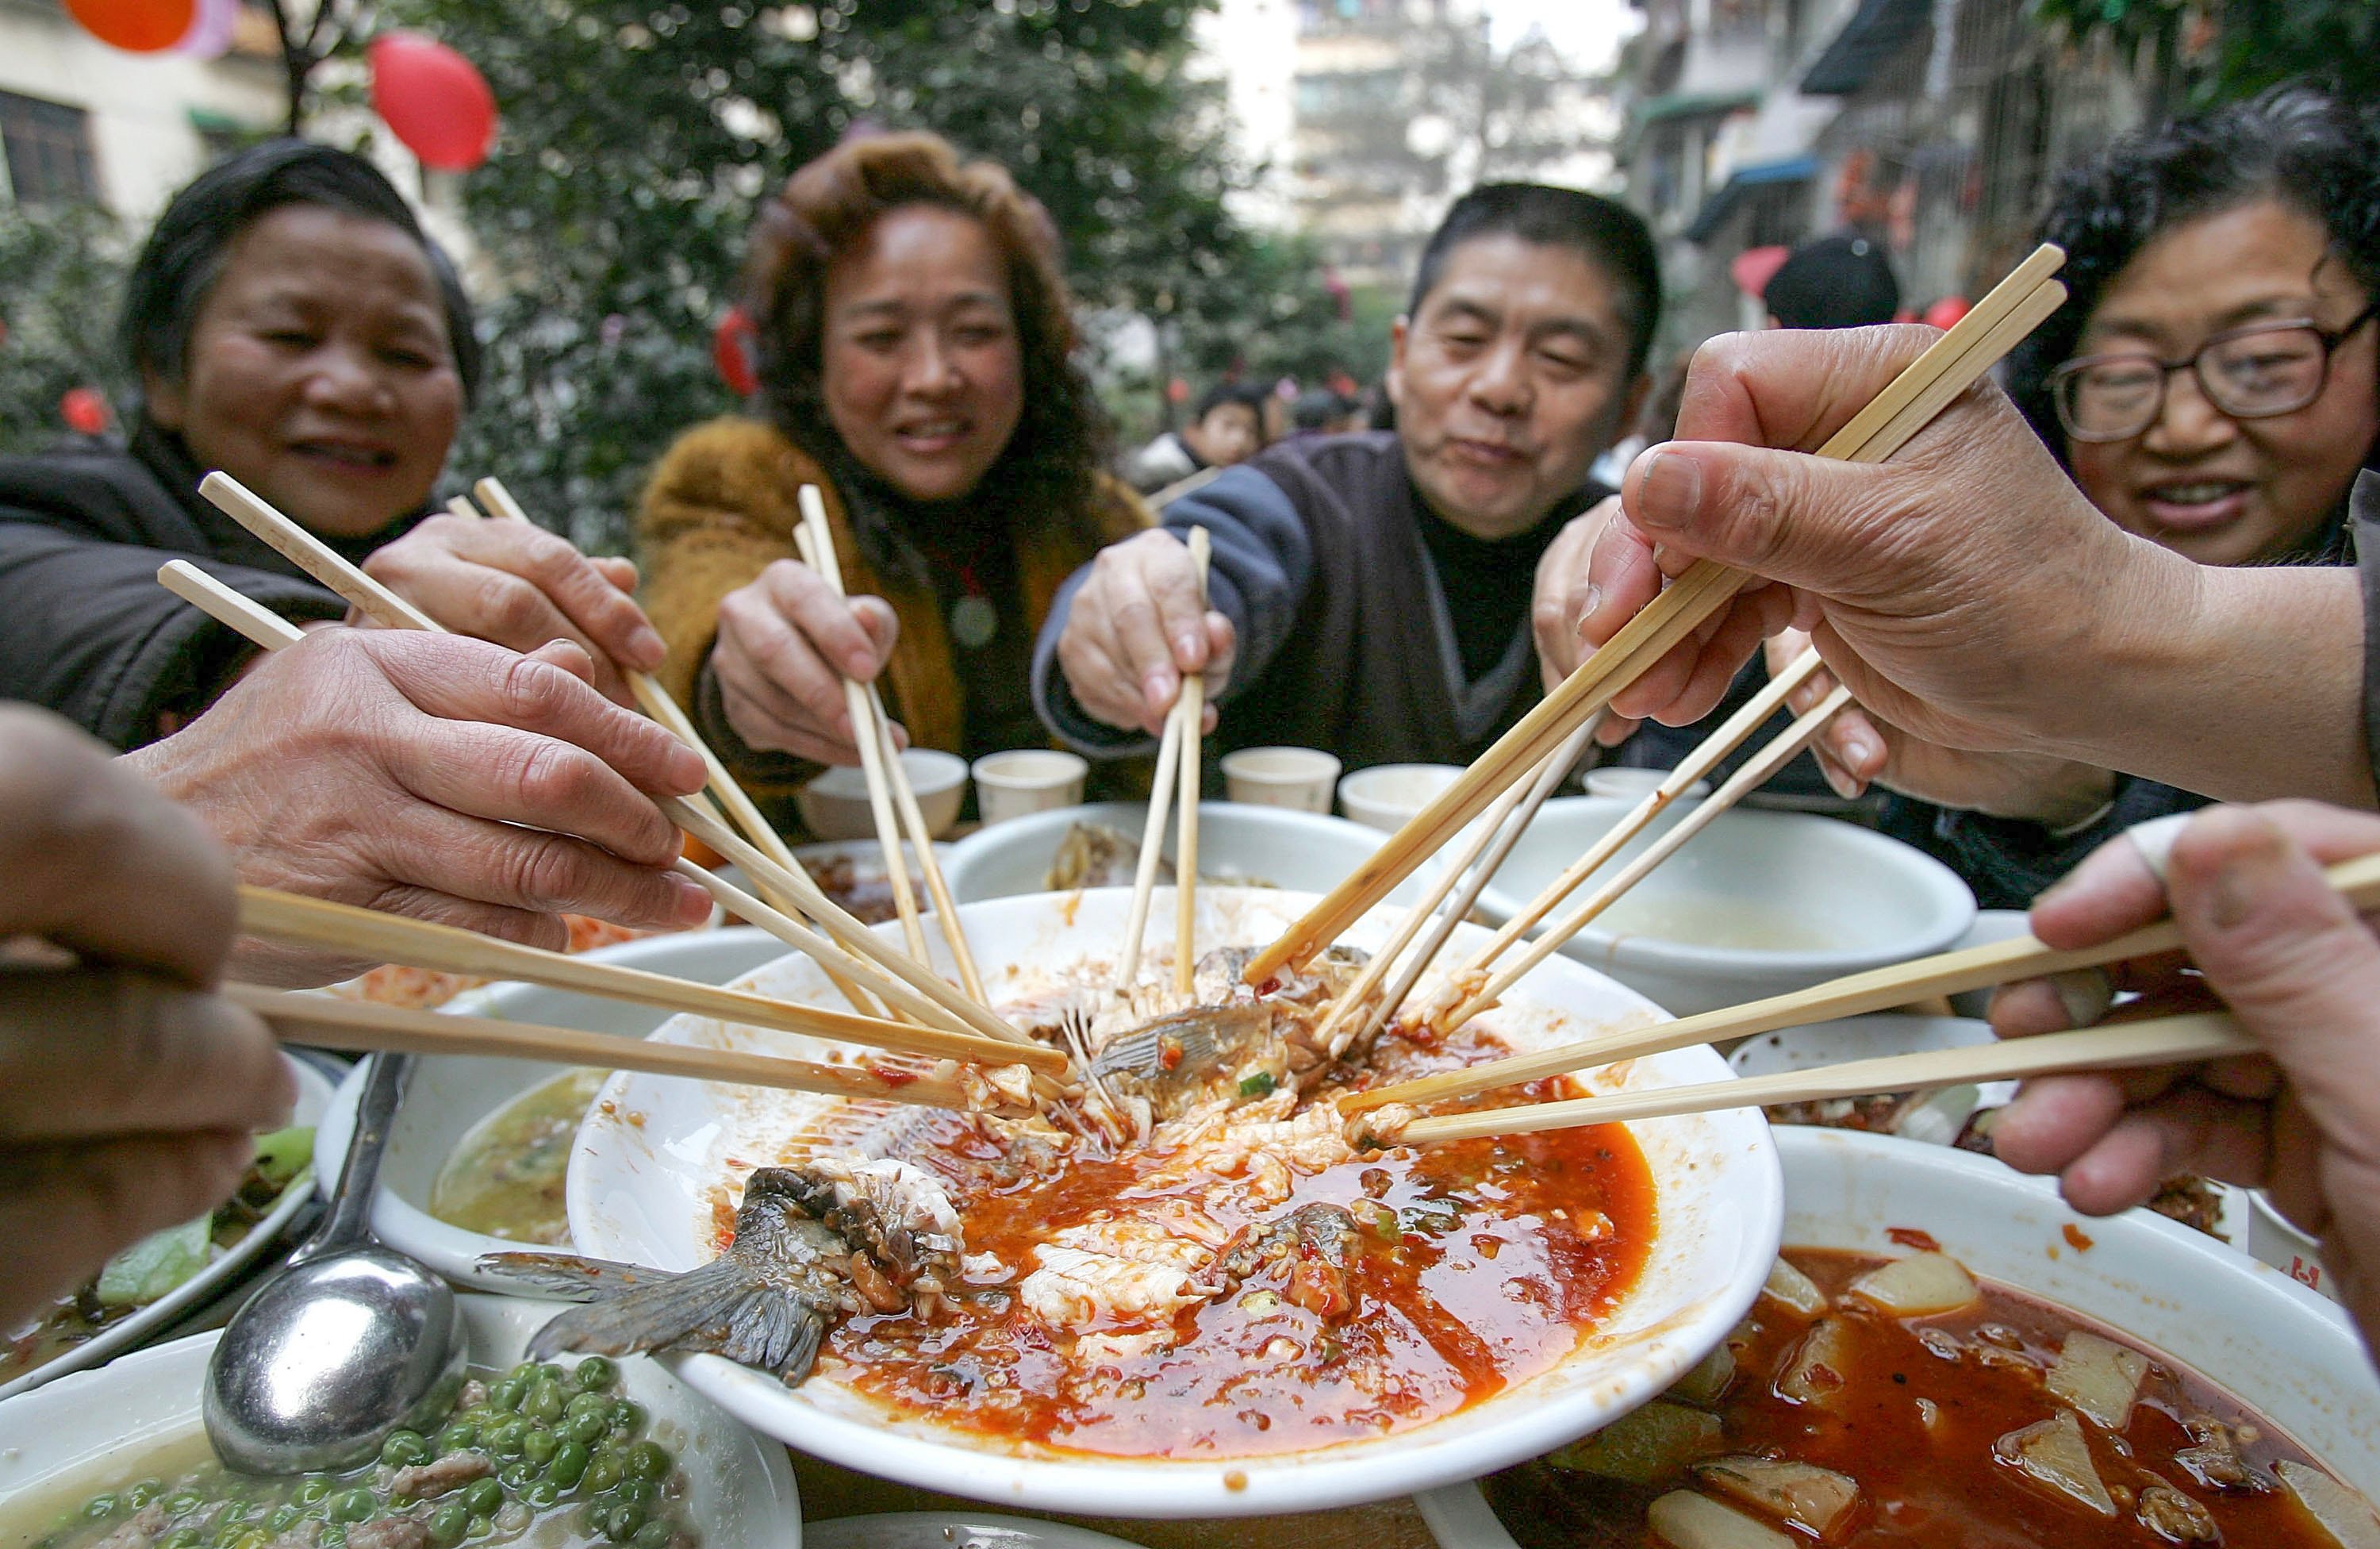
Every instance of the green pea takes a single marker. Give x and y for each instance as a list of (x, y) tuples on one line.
[(482, 1526), (252, 1538), (98, 1506), (448, 1524), (648, 1460), (334, 1536), (457, 1436), (514, 1474), (595, 1372), (544, 1403), (653, 1535), (539, 1493), (315, 1488), (526, 1374), (569, 1464), (141, 1492), (479, 1417), (353, 1505), (586, 1404), (628, 1418), (482, 1497), (505, 1440), (405, 1448), (588, 1429), (282, 1519), (506, 1395), (181, 1538), (626, 1518), (183, 1501), (644, 1492), (540, 1445), (602, 1474)]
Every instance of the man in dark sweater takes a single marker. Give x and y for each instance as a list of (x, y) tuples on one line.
[(1371, 594)]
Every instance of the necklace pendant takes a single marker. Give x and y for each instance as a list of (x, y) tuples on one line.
[(974, 621)]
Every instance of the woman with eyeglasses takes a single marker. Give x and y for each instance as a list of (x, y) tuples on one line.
[(2212, 385)]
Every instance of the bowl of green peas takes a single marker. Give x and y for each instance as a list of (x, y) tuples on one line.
[(584, 1454)]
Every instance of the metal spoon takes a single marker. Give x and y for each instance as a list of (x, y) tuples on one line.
[(348, 1343)]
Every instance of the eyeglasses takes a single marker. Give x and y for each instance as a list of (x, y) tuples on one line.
[(2250, 374)]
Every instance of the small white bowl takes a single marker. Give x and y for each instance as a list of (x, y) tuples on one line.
[(1026, 780), (740, 1488), (451, 1094), (1623, 784), (1274, 846), (2285, 1352), (834, 806), (1757, 904), (1295, 778), (1387, 793)]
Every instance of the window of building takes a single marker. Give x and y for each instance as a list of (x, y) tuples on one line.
[(48, 147)]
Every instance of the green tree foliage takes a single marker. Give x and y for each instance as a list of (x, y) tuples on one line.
[(639, 137), (2212, 51), (61, 277)]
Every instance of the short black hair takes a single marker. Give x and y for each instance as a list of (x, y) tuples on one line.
[(1834, 282), (1604, 231), (185, 250), (2295, 143), (1223, 393)]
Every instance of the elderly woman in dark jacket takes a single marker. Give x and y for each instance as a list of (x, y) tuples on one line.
[(290, 325)]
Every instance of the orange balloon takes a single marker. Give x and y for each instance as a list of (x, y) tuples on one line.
[(136, 26)]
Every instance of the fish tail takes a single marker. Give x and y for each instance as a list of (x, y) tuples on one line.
[(652, 1316)]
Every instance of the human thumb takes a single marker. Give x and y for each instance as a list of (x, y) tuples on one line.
[(1784, 516)]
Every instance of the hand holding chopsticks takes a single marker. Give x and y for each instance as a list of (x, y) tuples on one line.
[(1178, 766)]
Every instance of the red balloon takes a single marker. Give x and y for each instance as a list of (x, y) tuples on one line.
[(84, 410), (433, 100), (136, 26), (733, 345)]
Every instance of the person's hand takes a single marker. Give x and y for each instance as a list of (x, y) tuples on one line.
[(1955, 589), (785, 645), (1135, 629), (436, 776), (518, 585), (127, 1092), (2301, 971)]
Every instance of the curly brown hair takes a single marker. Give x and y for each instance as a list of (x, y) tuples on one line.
[(1050, 464)]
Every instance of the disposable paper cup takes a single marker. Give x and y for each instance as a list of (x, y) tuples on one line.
[(1298, 777), (1387, 793), (1636, 785), (1027, 780)]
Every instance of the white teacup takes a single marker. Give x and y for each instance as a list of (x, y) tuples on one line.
[(1622, 784), (1298, 777), (1026, 780)]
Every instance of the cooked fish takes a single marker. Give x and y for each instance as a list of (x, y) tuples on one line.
[(1093, 855), (835, 1236)]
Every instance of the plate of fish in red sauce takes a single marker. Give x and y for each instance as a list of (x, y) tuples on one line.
[(1193, 1297), (1946, 1358)]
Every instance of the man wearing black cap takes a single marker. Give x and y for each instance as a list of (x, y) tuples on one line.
[(1833, 282)]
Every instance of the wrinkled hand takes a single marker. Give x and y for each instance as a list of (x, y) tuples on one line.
[(785, 645), (440, 777), (127, 1092), (2301, 970), (518, 585), (1953, 588), (1135, 629)]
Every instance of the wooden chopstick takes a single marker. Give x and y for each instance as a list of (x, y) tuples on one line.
[(1948, 973), (461, 506), (657, 704), (291, 919), (1732, 733), (957, 1012), (1781, 751), (1908, 403), (330, 1023), (311, 554), (251, 620), (1190, 707), (2164, 1041), (1152, 845)]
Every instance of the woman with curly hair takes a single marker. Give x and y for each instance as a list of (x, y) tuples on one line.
[(915, 365), (2214, 386)]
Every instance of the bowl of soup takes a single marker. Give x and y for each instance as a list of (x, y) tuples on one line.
[(1757, 904), (1235, 1310), (119, 1454), (1950, 1357), (1096, 846), (476, 1158)]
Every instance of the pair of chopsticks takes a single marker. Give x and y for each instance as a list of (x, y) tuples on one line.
[(2161, 1041), (1180, 760), (888, 778), (1929, 384)]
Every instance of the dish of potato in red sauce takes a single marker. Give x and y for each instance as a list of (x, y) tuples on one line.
[(1473, 1267), (1927, 1424)]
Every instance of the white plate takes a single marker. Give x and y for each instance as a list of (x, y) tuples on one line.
[(651, 1158), (2250, 1328), (740, 1489), (451, 1094), (313, 1097), (955, 1530)]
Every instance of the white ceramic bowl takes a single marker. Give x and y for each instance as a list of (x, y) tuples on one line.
[(452, 1093), (1298, 777), (1273, 846), (834, 806), (2282, 1349), (740, 1488), (651, 1160), (314, 1100), (1757, 904), (1385, 794)]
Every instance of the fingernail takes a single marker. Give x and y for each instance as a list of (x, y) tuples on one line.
[(686, 771), (1588, 605), (1858, 750), (2084, 995), (1187, 649), (2247, 877), (647, 645), (693, 900), (1840, 783), (859, 665), (1158, 689), (1672, 491)]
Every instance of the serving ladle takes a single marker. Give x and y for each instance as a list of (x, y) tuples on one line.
[(350, 1342)]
